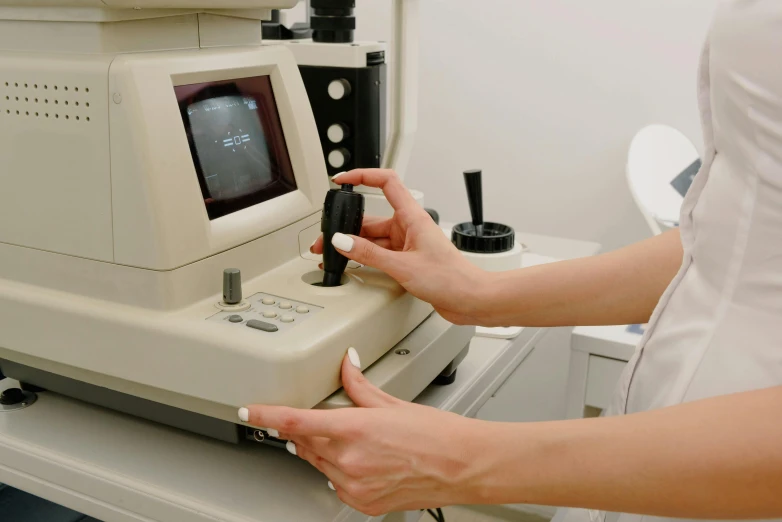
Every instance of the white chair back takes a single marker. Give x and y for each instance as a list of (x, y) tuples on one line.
[(660, 166)]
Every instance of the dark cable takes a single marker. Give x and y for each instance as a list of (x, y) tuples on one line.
[(436, 514)]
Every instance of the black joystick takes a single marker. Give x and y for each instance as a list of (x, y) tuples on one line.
[(343, 212), (481, 237), (473, 180)]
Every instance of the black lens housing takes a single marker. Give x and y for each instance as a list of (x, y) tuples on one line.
[(333, 21)]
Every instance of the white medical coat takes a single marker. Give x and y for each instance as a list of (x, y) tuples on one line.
[(718, 328)]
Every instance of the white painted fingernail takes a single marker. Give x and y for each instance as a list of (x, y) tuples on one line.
[(355, 360), (291, 447), (274, 433), (244, 414), (331, 486), (335, 176), (342, 242)]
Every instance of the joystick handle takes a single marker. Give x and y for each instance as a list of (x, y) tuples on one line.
[(474, 184), (343, 212)]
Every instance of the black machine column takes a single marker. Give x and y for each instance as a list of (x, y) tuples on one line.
[(346, 83)]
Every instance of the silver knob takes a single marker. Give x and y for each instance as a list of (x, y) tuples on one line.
[(232, 286)]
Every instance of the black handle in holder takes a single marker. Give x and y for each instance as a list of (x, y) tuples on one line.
[(343, 212), (474, 184), (481, 237)]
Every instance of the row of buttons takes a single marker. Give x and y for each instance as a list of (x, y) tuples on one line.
[(273, 315), (285, 305), (338, 158), (269, 313)]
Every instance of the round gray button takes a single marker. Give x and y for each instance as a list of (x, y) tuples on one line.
[(339, 158), (236, 319), (339, 89), (337, 133)]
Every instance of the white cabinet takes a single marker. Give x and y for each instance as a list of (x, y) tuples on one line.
[(598, 357), (602, 378), (535, 391)]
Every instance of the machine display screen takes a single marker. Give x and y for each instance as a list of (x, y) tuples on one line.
[(237, 143)]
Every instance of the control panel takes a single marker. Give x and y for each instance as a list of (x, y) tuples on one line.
[(268, 313)]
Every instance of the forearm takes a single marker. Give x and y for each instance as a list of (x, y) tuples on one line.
[(620, 287), (718, 458)]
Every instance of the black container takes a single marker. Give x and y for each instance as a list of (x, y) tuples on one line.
[(481, 237), (496, 238)]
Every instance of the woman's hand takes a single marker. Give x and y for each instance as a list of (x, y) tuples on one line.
[(413, 250), (385, 455), (716, 458)]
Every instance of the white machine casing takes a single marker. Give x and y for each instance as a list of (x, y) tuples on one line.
[(110, 268)]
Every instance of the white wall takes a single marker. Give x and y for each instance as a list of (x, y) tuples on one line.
[(545, 96)]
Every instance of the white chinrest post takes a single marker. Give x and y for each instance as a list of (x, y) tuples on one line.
[(404, 98)]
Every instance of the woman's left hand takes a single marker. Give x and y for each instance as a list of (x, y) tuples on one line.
[(386, 455)]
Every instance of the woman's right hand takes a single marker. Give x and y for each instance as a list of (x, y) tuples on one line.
[(411, 248)]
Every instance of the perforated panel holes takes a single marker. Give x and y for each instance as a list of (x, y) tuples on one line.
[(19, 97)]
